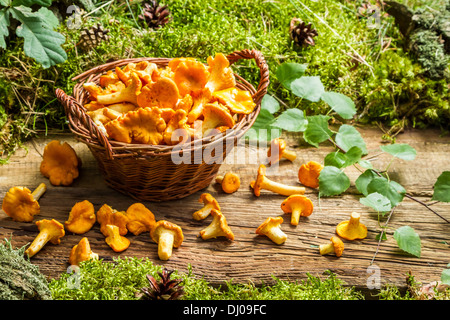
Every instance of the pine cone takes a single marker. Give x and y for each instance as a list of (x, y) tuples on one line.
[(165, 289), (155, 15), (301, 33), (92, 37)]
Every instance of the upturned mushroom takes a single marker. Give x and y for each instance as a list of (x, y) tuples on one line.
[(216, 115), (49, 231), (107, 215), (352, 229), (21, 204), (190, 75), (271, 228), (60, 163), (128, 94), (264, 183), (209, 203), (220, 74), (230, 182), (278, 150), (140, 219), (335, 246), (81, 217), (115, 240), (168, 236), (237, 100), (308, 174), (178, 125), (298, 206), (81, 252), (217, 228), (199, 100)]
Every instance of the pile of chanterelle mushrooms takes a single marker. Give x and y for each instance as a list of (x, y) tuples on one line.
[(144, 104)]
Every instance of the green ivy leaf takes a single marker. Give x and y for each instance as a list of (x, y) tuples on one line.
[(408, 240), (340, 103), (332, 181), (445, 276), (400, 150), (309, 88), (442, 187), (348, 137), (4, 23), (377, 202), (317, 130), (363, 181), (270, 104), (288, 72), (40, 43), (390, 189), (291, 120)]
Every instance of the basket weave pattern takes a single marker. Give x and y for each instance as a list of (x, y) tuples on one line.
[(147, 172)]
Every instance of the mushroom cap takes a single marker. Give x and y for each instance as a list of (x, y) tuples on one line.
[(140, 219), (277, 146), (127, 94), (60, 163), (162, 93), (238, 101), (298, 201), (144, 125), (308, 174), (115, 240), (216, 115), (107, 215), (338, 246), (164, 226), (256, 185), (108, 78), (207, 198), (81, 217), (352, 229), (199, 99), (20, 204), (81, 252), (231, 182), (268, 224), (220, 75), (218, 227), (190, 76), (53, 228), (177, 124)]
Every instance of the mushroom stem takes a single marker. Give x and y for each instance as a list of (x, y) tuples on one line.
[(219, 179), (290, 155), (203, 212), (39, 191), (276, 235), (295, 215), (354, 220), (38, 243), (281, 188), (165, 245), (326, 248)]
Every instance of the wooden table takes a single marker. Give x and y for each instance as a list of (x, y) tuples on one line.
[(251, 257)]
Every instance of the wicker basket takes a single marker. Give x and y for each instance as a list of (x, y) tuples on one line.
[(147, 172)]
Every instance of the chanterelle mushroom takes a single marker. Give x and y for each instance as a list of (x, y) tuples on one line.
[(220, 75), (230, 182), (60, 163), (216, 115), (81, 217), (308, 174), (271, 228), (116, 241), (21, 204), (168, 235), (128, 94), (199, 100), (278, 150), (297, 205), (237, 100), (335, 246), (162, 93), (209, 203), (140, 219), (217, 228), (352, 229), (107, 215), (49, 230), (262, 182), (81, 252), (189, 75)]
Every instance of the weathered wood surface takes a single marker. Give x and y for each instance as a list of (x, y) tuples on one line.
[(251, 257)]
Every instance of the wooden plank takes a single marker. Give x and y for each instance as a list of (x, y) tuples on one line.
[(251, 257)]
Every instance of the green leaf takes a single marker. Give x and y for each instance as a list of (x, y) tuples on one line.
[(317, 130), (445, 276), (29, 3), (332, 181), (363, 181), (4, 23), (377, 202), (442, 187), (390, 189), (336, 159), (340, 103), (366, 164), (408, 240), (42, 44), (262, 128), (400, 150), (353, 155), (270, 104), (348, 137), (291, 120), (289, 71), (309, 88), (48, 17)]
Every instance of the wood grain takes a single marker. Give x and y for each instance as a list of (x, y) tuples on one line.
[(251, 257)]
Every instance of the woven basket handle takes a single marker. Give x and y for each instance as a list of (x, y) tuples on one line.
[(263, 69), (75, 111)]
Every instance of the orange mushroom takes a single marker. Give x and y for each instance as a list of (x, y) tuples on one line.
[(81, 252), (128, 94), (308, 174), (60, 163), (335, 246), (109, 78), (167, 235), (298, 206), (190, 76), (215, 115), (209, 203), (230, 182), (217, 228), (162, 93), (49, 231), (237, 100), (271, 228), (21, 204), (81, 217), (262, 182), (178, 124), (107, 215), (221, 76), (278, 150), (352, 229), (115, 240), (199, 100), (140, 219)]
